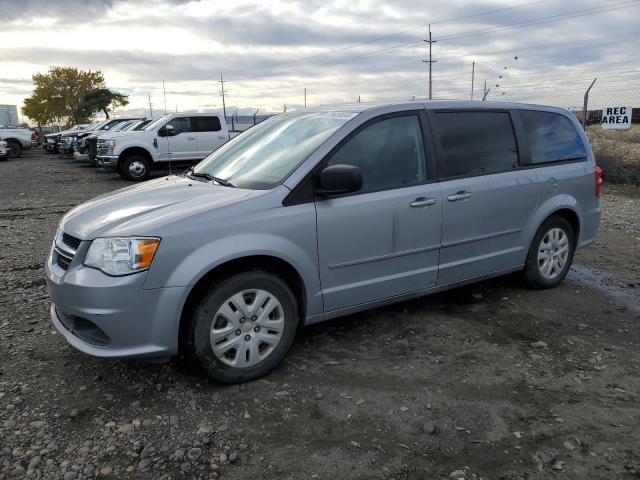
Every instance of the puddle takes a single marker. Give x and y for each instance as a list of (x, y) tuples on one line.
[(607, 284)]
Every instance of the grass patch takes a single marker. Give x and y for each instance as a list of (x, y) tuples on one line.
[(617, 153)]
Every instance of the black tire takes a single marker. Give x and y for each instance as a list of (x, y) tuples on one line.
[(15, 149), (199, 346), (135, 168), (533, 271)]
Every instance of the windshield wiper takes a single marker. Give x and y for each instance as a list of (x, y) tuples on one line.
[(208, 176)]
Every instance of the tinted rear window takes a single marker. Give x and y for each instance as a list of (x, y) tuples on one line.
[(205, 124), (552, 137), (475, 143)]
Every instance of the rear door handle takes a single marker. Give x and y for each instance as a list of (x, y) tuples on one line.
[(191, 138), (458, 196), (423, 202)]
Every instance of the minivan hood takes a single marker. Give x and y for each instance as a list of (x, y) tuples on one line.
[(146, 208)]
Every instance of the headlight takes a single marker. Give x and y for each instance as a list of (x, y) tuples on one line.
[(121, 255)]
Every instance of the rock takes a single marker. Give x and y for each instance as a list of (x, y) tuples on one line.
[(38, 423), (429, 428), (34, 463), (194, 453), (233, 457), (457, 474), (546, 456), (223, 457), (205, 429), (144, 463), (558, 465), (125, 428), (360, 401), (404, 409), (178, 454), (71, 475), (74, 413), (539, 344), (106, 471), (582, 326), (18, 471), (569, 445)]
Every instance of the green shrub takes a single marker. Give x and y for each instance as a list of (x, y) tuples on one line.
[(617, 152)]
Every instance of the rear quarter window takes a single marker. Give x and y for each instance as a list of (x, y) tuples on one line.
[(552, 137)]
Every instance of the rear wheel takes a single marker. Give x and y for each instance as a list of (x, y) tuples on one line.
[(135, 168), (550, 254), (15, 149), (243, 327)]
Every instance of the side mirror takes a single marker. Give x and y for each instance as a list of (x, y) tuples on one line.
[(167, 131), (339, 179)]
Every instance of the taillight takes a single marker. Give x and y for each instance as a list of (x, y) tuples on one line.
[(34, 136), (598, 179)]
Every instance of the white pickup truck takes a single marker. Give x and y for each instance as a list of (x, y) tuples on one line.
[(179, 138), (17, 138)]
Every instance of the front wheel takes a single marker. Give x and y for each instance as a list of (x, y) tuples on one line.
[(243, 327), (135, 168), (550, 254), (15, 149)]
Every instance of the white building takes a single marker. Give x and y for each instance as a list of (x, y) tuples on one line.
[(8, 115)]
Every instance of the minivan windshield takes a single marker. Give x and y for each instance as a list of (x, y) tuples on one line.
[(263, 156)]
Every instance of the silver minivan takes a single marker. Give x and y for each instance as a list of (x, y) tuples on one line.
[(316, 214)]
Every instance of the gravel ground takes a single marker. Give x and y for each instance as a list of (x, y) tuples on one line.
[(488, 381)]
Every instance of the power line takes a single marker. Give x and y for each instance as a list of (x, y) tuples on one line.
[(384, 37), (552, 18)]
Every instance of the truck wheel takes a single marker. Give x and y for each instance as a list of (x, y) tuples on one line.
[(135, 168), (243, 326), (15, 149), (550, 254)]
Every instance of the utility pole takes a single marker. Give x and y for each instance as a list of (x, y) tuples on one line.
[(305, 97), (584, 106), (430, 61), (473, 73), (150, 107), (486, 91), (224, 108)]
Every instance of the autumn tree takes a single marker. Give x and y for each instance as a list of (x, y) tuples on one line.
[(60, 93), (102, 100)]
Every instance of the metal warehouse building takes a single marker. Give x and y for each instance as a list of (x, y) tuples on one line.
[(8, 115)]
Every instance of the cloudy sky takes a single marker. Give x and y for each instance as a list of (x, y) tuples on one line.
[(269, 51)]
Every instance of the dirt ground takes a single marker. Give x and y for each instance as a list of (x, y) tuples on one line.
[(489, 381)]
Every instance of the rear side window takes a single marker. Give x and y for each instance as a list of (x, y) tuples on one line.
[(205, 124), (552, 137), (475, 143)]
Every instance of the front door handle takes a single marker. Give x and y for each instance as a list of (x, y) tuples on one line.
[(458, 196), (423, 202), (221, 137), (191, 138)]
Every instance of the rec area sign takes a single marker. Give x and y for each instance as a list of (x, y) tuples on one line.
[(616, 117)]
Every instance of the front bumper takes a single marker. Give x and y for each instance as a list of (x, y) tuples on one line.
[(83, 157), (107, 161), (113, 317)]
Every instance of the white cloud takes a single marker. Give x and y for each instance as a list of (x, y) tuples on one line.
[(269, 52)]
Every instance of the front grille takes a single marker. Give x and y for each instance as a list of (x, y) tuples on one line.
[(64, 249), (83, 329), (70, 241), (62, 261)]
